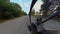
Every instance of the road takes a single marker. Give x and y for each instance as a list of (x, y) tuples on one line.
[(19, 25), (15, 26)]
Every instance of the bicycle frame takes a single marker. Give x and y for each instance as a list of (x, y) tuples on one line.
[(48, 18)]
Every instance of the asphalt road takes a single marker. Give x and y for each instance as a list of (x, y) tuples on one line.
[(19, 25), (15, 26)]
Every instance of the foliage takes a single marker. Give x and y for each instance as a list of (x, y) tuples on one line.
[(45, 6), (23, 13), (33, 12), (9, 10)]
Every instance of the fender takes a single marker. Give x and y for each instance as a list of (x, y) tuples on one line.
[(32, 4)]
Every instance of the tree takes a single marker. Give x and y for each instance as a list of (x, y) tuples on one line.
[(4, 7), (33, 12), (23, 13), (9, 10), (45, 6), (16, 9)]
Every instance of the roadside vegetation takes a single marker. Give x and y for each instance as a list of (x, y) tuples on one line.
[(10, 10)]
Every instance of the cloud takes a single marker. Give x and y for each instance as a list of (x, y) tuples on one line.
[(25, 4), (20, 2), (37, 6)]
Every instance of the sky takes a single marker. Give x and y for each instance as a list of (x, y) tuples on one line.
[(25, 4)]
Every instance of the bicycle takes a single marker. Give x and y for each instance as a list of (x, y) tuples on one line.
[(33, 27)]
